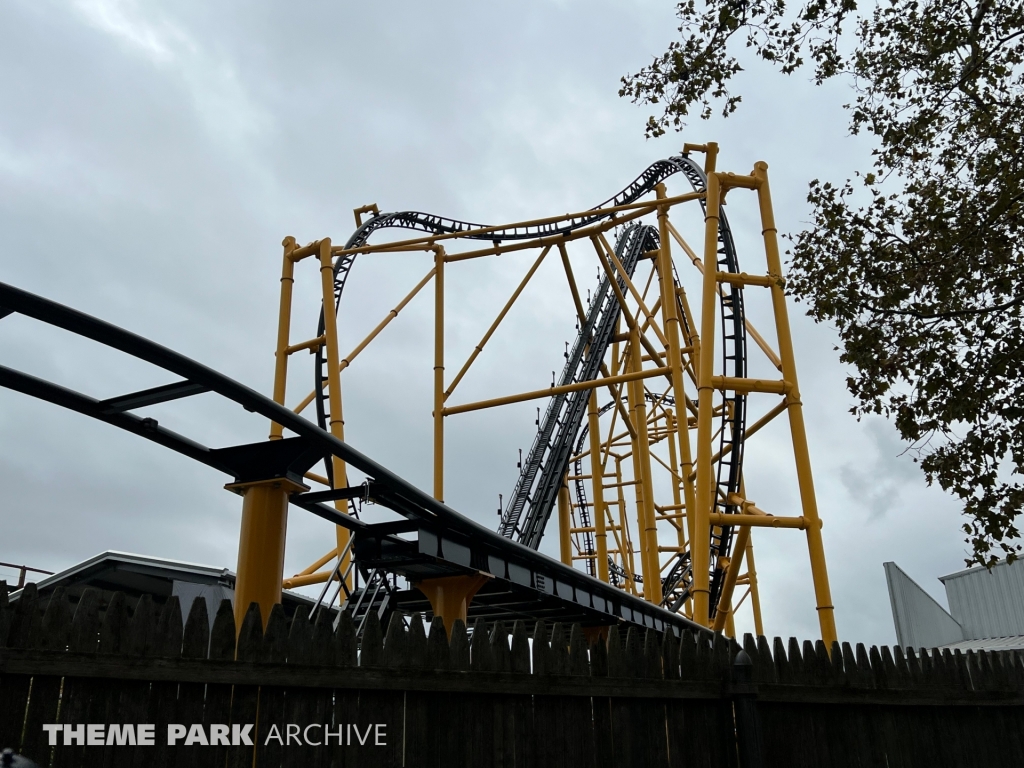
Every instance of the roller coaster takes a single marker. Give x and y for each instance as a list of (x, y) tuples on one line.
[(638, 454)]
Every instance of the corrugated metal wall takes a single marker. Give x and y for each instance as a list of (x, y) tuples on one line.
[(987, 603), (920, 621)]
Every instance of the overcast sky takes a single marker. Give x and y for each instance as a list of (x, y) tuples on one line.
[(153, 158)]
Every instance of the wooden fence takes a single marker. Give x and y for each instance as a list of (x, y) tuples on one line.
[(482, 698)]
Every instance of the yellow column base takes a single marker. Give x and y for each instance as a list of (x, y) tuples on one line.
[(261, 544), (450, 596)]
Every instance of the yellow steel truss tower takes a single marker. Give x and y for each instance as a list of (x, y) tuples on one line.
[(651, 511)]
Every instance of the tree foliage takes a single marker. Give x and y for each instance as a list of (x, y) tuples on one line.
[(917, 260)]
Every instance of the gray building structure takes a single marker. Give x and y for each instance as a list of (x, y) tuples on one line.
[(136, 575), (986, 609)]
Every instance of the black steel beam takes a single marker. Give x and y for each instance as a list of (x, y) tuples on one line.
[(349, 492), (389, 489), (145, 397)]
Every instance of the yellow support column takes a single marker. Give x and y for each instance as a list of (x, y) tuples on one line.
[(439, 373), (450, 596), (671, 324), (336, 423), (261, 545), (284, 319), (564, 524), (755, 596), (646, 521), (700, 541), (809, 505), (677, 506), (627, 544), (597, 482), (723, 612)]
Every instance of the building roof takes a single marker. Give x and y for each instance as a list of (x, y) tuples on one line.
[(986, 609), (988, 602), (921, 622), (132, 569), (137, 575), (1015, 643)]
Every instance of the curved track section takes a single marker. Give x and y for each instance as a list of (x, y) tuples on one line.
[(440, 225), (676, 583), (536, 490), (525, 585)]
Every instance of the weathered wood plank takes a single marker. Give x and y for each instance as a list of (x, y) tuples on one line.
[(346, 646), (43, 703), (274, 651), (163, 696), (371, 644), (302, 703), (195, 645), (459, 647), (133, 700), (14, 686), (78, 692), (217, 707), (245, 698)]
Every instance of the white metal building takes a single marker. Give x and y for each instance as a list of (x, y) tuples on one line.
[(986, 609)]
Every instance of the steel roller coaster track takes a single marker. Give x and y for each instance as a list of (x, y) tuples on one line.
[(434, 547), (525, 584), (543, 469)]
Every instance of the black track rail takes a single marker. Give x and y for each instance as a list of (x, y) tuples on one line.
[(677, 582), (440, 225), (447, 540), (543, 470), (536, 491)]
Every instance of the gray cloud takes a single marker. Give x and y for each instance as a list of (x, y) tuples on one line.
[(875, 480)]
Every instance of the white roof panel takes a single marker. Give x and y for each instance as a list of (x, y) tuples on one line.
[(988, 602), (920, 621)]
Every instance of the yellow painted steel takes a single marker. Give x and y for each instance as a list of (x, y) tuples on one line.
[(497, 321), (637, 297), (284, 318), (573, 288), (336, 420), (347, 360), (310, 344), (724, 610), (644, 488), (701, 537), (660, 428), (258, 521), (805, 481), (307, 579), (597, 467), (450, 596), (560, 390), (261, 542), (673, 465), (750, 385), (644, 207), (755, 597), (671, 321), (318, 564), (564, 525)]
